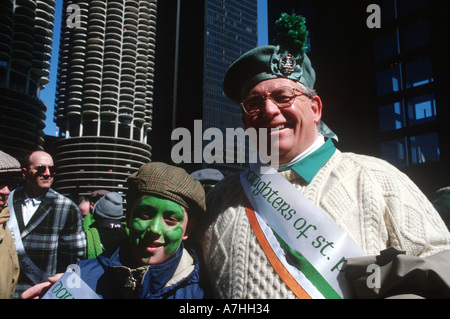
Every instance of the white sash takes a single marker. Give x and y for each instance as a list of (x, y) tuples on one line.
[(33, 272), (303, 227)]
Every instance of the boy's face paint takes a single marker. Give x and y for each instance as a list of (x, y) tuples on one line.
[(157, 229)]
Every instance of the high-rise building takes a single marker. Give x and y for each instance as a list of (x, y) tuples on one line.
[(197, 41), (25, 46), (383, 76), (231, 30), (104, 97)]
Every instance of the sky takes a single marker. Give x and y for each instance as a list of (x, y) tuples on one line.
[(47, 95)]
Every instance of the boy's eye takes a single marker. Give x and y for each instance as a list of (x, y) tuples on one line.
[(171, 220), (143, 216)]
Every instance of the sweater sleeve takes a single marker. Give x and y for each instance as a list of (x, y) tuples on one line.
[(413, 224)]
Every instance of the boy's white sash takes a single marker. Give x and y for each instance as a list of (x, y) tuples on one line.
[(33, 272), (321, 243)]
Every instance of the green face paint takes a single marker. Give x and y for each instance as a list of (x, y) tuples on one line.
[(156, 229)]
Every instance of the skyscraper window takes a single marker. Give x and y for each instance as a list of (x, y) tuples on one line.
[(404, 82)]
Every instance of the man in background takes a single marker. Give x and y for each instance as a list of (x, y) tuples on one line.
[(46, 226)]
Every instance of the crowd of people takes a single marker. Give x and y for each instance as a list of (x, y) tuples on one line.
[(257, 234)]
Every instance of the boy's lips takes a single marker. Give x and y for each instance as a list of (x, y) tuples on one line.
[(152, 247)]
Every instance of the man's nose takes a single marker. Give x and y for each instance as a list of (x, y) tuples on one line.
[(270, 107)]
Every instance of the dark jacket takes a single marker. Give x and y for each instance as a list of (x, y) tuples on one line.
[(111, 278)]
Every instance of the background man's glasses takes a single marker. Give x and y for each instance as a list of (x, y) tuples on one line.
[(282, 97), (42, 169)]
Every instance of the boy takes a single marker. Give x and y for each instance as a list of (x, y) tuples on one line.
[(163, 203)]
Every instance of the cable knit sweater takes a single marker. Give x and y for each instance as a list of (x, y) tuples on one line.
[(376, 204)]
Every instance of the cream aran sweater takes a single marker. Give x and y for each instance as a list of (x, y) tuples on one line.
[(376, 204)]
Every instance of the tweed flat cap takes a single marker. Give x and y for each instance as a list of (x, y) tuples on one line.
[(8, 164), (169, 182)]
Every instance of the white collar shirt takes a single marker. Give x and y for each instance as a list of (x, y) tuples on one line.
[(29, 207)]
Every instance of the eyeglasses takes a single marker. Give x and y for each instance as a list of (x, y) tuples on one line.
[(282, 97), (42, 169)]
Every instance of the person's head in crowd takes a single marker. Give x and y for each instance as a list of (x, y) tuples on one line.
[(208, 177), (9, 171), (110, 206), (84, 206), (163, 203), (38, 171), (86, 203), (96, 195)]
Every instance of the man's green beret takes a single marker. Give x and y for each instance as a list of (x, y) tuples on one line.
[(265, 63), (285, 59)]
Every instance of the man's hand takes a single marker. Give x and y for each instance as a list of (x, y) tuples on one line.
[(37, 291)]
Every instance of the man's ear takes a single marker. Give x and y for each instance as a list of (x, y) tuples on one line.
[(189, 227), (24, 173), (316, 107)]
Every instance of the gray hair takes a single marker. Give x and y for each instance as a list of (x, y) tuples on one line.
[(307, 91)]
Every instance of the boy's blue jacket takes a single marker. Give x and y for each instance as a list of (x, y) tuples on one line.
[(115, 278)]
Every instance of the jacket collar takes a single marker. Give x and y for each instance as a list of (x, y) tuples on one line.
[(47, 204), (141, 281), (308, 167)]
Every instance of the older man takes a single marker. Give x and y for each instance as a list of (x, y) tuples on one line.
[(288, 234), (46, 226)]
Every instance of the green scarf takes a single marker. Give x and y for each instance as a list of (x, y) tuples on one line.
[(94, 244)]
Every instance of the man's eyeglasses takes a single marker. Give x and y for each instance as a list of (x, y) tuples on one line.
[(42, 168), (282, 97)]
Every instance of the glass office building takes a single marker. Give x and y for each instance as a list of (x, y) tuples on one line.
[(196, 43), (231, 30)]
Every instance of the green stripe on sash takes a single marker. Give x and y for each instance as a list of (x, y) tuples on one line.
[(309, 271)]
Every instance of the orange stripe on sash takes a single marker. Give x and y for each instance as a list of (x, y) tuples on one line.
[(273, 259)]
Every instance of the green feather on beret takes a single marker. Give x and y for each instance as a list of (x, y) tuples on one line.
[(291, 33)]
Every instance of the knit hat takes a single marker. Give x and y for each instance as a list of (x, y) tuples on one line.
[(109, 206), (169, 182), (285, 59), (8, 164), (97, 194)]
